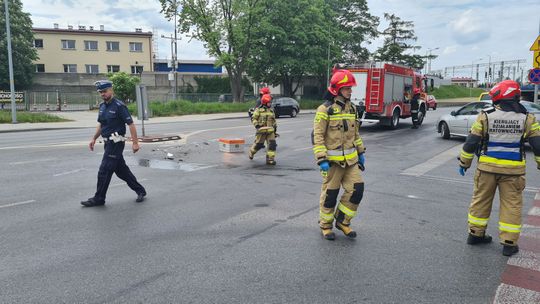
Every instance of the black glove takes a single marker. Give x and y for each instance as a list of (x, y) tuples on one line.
[(257, 127)]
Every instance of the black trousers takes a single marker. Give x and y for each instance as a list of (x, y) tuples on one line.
[(113, 162)]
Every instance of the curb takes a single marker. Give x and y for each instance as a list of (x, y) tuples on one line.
[(520, 281)]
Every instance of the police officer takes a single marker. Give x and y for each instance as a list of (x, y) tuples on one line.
[(264, 121), (414, 108), (113, 117), (339, 152), (497, 137)]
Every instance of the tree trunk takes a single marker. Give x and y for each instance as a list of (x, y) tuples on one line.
[(236, 85), (286, 82)]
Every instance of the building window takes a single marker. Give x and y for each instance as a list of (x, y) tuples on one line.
[(113, 68), (113, 46), (135, 46), (90, 45), (40, 68), (92, 69), (38, 43), (68, 44), (70, 68), (136, 69)]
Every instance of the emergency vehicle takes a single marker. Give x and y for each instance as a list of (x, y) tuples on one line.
[(384, 91)]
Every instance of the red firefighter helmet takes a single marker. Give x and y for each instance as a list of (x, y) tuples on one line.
[(507, 89), (417, 91), (266, 99), (265, 90), (340, 79)]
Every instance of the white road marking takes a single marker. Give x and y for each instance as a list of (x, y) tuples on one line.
[(123, 183), (18, 204), (412, 196), (68, 172), (535, 211), (433, 162), (537, 196), (526, 259), (53, 145), (513, 294), (32, 161), (464, 182)]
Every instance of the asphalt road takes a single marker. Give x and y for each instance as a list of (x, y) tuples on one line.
[(219, 228)]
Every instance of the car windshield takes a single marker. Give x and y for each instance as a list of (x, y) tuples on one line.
[(531, 107), (485, 97)]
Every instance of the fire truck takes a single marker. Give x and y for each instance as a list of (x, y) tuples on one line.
[(384, 91)]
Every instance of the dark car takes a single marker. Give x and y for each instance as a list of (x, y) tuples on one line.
[(282, 106), (285, 106)]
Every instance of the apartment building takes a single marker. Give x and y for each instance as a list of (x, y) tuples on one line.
[(86, 50)]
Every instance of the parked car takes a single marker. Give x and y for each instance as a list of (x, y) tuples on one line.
[(484, 96), (431, 102), (458, 123), (282, 106)]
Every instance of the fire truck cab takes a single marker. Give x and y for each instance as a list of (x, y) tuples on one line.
[(384, 92)]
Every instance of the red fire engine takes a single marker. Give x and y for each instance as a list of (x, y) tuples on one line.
[(384, 91)]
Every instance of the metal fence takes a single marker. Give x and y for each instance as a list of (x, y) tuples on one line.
[(60, 101), (196, 97)]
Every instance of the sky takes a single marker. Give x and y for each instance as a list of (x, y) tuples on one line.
[(459, 32)]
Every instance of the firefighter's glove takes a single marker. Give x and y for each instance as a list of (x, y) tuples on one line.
[(324, 166), (257, 127), (462, 171), (362, 161)]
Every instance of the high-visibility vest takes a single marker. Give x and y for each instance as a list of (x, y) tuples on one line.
[(504, 145)]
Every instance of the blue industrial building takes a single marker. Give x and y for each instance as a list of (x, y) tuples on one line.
[(188, 66)]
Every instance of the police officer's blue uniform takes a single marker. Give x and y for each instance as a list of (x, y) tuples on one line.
[(113, 117)]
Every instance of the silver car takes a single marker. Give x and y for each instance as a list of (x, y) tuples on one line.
[(458, 123)]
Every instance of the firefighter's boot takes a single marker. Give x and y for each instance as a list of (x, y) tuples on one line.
[(251, 154), (510, 250), (270, 160), (346, 229), (475, 240), (328, 234)]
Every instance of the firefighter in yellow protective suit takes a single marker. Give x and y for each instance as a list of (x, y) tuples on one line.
[(497, 137), (264, 121), (339, 152)]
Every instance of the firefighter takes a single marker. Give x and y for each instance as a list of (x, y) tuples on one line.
[(263, 91), (264, 121), (339, 152), (414, 108), (497, 137)]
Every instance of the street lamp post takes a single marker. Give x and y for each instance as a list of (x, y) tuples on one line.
[(174, 60), (10, 64), (472, 68), (429, 59)]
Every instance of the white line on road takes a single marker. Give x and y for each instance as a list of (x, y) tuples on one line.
[(526, 259), (32, 161), (464, 182), (303, 149), (68, 172), (54, 145), (18, 204), (433, 162), (534, 211), (513, 294)]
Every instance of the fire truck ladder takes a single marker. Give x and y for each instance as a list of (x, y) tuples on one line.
[(374, 87)]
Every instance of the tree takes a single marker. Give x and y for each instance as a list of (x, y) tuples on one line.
[(291, 43), (225, 27), (397, 40), (356, 27), (124, 85), (23, 52)]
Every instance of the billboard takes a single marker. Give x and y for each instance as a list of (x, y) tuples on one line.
[(5, 97)]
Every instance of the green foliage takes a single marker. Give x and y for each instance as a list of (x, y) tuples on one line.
[(291, 42), (354, 27), (225, 27), (455, 91), (182, 107), (397, 41), (124, 85), (310, 104), (5, 117), (23, 52)]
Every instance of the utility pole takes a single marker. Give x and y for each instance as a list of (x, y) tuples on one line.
[(536, 86), (175, 49), (10, 63)]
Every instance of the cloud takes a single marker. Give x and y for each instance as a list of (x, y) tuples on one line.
[(450, 49), (468, 28)]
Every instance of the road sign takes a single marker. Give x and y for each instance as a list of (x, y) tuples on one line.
[(536, 44), (534, 76), (536, 59)]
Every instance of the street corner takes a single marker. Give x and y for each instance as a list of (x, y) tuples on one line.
[(520, 281)]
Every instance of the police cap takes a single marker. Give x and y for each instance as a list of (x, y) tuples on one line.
[(102, 85)]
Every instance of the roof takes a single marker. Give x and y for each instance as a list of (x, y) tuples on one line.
[(92, 32)]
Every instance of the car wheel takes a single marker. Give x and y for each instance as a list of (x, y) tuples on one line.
[(421, 115), (394, 122), (434, 107), (445, 131), (293, 113)]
